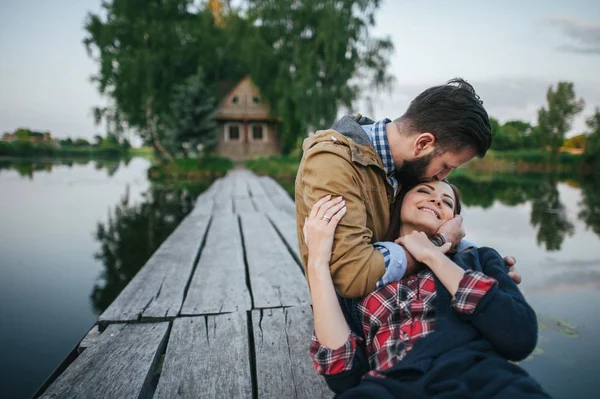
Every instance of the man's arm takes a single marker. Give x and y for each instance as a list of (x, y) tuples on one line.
[(356, 265)]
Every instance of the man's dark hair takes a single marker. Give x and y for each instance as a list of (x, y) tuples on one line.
[(454, 114)]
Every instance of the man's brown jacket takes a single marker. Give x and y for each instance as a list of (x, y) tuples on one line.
[(342, 161)]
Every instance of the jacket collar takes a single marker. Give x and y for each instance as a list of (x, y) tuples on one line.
[(348, 131)]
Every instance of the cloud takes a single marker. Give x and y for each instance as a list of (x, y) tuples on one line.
[(505, 98), (585, 36)]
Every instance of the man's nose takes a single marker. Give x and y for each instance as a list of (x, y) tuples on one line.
[(442, 175)]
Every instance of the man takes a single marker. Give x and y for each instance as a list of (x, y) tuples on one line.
[(366, 162)]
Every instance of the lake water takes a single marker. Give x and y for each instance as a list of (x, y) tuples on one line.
[(73, 235)]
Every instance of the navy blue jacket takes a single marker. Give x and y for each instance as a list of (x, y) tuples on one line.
[(465, 357)]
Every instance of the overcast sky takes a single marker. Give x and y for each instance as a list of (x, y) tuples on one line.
[(511, 51)]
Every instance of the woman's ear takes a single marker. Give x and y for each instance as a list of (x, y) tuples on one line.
[(423, 144)]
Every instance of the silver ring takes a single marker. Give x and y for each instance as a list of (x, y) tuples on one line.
[(326, 218)]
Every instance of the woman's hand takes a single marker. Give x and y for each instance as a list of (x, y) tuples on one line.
[(319, 228), (419, 246)]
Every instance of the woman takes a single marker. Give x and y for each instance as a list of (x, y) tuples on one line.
[(446, 331)]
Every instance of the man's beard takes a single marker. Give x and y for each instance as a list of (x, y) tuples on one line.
[(413, 172)]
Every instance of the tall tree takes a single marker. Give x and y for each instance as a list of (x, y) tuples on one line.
[(146, 48), (592, 146), (310, 57), (555, 120), (191, 120)]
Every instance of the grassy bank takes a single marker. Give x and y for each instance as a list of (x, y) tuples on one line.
[(190, 168)]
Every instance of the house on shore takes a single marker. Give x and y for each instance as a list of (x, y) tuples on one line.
[(246, 128)]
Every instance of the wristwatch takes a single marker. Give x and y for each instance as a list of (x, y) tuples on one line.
[(438, 239)]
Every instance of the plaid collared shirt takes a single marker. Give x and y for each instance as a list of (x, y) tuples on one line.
[(394, 318), (381, 145)]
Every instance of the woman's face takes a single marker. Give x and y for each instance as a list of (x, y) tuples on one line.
[(426, 206)]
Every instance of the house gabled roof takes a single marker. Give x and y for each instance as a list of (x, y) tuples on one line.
[(243, 102)]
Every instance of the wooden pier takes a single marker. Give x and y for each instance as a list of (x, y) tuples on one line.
[(221, 309)]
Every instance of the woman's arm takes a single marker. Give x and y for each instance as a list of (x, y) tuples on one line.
[(503, 315), (491, 300), (331, 328), (337, 354)]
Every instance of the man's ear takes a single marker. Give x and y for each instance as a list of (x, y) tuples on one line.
[(424, 144)]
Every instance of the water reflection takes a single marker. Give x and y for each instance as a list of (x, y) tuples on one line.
[(548, 213), (589, 212), (28, 167), (134, 231)]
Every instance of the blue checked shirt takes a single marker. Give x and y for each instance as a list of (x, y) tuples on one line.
[(393, 254)]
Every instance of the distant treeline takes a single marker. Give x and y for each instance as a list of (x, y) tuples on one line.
[(28, 143)]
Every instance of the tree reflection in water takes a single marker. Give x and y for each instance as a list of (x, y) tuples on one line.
[(548, 213), (28, 167), (589, 212), (133, 232)]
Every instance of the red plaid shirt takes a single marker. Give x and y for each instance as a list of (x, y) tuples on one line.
[(395, 317)]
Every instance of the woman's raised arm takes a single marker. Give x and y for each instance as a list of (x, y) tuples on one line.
[(331, 328)]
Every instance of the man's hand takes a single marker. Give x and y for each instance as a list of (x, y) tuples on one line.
[(510, 262), (453, 230)]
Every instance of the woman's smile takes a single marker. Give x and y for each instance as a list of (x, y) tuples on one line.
[(430, 210)]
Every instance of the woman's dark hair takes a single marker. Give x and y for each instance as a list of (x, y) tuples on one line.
[(394, 229), (454, 114)]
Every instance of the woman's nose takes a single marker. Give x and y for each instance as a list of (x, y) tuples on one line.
[(436, 200)]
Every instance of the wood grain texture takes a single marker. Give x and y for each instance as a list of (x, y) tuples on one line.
[(286, 226), (299, 327), (219, 281), (275, 277), (157, 291), (207, 357), (284, 367), (119, 365), (274, 375), (90, 339)]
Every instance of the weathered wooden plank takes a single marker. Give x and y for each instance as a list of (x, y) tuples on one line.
[(256, 189), (205, 201), (275, 277), (279, 197), (286, 226), (243, 205), (207, 357), (299, 327), (219, 282), (157, 291), (119, 365), (240, 187), (274, 377), (90, 339), (223, 199)]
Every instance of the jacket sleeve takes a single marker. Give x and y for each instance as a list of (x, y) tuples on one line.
[(502, 315), (356, 265)]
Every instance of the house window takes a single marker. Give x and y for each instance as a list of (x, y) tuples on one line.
[(232, 132), (235, 99), (255, 99), (259, 132)]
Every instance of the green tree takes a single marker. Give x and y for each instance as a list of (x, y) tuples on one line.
[(309, 58), (97, 140), (145, 49), (592, 147), (555, 119), (191, 119), (577, 141), (81, 143)]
